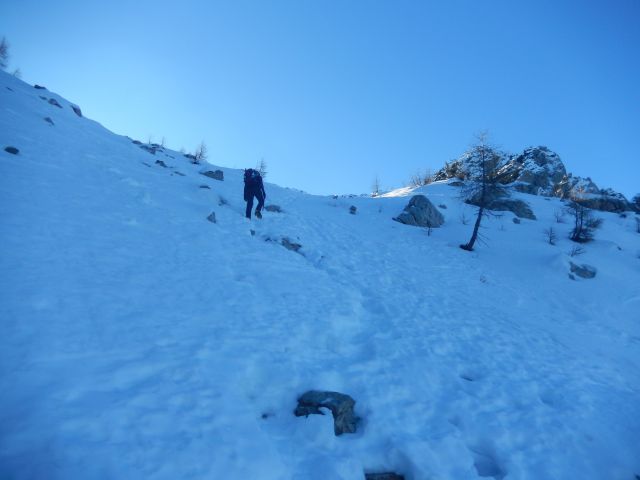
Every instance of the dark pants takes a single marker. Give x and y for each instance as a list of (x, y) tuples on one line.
[(258, 194)]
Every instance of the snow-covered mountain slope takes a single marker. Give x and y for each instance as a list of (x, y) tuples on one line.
[(140, 340)]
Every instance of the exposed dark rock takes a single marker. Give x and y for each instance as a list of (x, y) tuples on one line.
[(443, 206), (217, 175), (76, 110), (12, 150), (583, 271), (54, 102), (353, 209), (212, 217), (289, 245), (518, 207), (39, 87), (383, 476), (136, 142), (43, 98), (273, 208), (191, 157), (149, 148), (420, 212), (205, 186), (48, 120), (10, 89), (341, 406), (516, 220), (161, 163), (178, 173)]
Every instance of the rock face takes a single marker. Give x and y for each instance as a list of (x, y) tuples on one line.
[(539, 171), (420, 212), (217, 175), (583, 271), (341, 406)]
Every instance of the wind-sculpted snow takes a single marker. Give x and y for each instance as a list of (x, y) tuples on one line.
[(140, 340)]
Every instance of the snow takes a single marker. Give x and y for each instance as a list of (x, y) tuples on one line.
[(142, 341)]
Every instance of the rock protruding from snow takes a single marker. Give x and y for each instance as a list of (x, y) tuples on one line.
[(55, 103), (273, 208), (216, 175), (583, 271), (289, 245), (12, 150), (383, 476), (212, 217), (420, 212), (539, 171), (76, 110), (341, 406)]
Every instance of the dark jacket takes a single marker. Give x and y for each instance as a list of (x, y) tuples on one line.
[(254, 187)]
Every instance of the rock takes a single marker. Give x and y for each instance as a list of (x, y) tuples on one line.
[(161, 163), (289, 245), (443, 206), (212, 217), (518, 207), (353, 209), (205, 186), (76, 110), (54, 102), (48, 120), (12, 150), (43, 98), (273, 208), (516, 220), (149, 148), (420, 212), (39, 87), (341, 406), (191, 157), (136, 142), (217, 175), (178, 173), (383, 476), (583, 271)]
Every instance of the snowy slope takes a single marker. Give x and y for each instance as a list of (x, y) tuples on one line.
[(141, 341)]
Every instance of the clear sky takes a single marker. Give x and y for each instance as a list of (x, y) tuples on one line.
[(333, 93)]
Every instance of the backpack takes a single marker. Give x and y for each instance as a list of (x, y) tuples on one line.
[(251, 177)]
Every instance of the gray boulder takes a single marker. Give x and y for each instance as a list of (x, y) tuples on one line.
[(217, 175), (583, 271), (341, 406), (518, 207), (420, 212)]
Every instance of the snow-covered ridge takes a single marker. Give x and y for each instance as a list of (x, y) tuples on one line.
[(141, 340), (540, 171)]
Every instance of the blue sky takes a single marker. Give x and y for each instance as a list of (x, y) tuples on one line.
[(333, 93)]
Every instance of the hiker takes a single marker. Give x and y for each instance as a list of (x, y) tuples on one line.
[(253, 187)]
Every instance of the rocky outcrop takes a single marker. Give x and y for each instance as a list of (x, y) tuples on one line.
[(538, 171), (420, 212), (341, 406)]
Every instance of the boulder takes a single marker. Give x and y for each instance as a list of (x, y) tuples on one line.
[(420, 212), (149, 148), (516, 220), (161, 163), (273, 208), (583, 271), (54, 102), (12, 150), (212, 217), (48, 120), (340, 405), (76, 110), (518, 207), (216, 175), (39, 87), (353, 209)]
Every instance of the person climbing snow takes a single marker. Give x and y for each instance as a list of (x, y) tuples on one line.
[(253, 187)]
